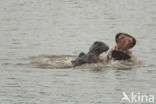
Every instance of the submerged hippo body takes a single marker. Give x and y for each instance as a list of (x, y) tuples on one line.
[(92, 56)]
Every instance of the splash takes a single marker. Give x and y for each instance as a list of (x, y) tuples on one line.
[(64, 62), (52, 61)]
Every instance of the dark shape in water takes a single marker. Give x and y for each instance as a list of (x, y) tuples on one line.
[(118, 55), (92, 56)]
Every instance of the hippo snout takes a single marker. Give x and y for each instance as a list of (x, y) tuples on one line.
[(105, 48)]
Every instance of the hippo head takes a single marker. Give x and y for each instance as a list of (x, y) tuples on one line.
[(98, 47)]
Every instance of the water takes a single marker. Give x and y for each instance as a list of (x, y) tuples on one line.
[(38, 39)]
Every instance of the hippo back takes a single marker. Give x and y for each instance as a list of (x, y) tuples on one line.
[(82, 59)]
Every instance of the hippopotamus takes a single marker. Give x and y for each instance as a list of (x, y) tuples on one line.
[(121, 51), (92, 56)]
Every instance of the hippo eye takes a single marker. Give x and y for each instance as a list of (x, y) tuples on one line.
[(98, 49)]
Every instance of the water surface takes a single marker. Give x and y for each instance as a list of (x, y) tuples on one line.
[(32, 32)]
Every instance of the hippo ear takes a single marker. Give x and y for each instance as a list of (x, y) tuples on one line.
[(96, 42), (93, 45)]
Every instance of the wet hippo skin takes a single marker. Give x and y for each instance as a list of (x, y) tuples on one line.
[(92, 56), (118, 55)]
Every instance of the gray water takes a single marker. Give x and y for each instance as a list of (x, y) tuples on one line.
[(39, 38)]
